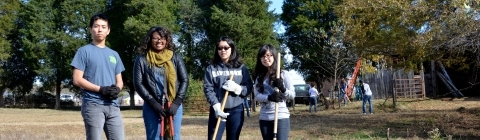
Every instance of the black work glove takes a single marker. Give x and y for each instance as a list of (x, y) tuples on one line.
[(174, 106), (276, 97), (114, 91), (157, 107), (279, 84), (104, 91), (110, 92)]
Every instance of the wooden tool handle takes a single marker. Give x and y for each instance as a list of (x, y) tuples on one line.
[(221, 108), (275, 121)]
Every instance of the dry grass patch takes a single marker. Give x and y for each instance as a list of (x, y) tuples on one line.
[(457, 118)]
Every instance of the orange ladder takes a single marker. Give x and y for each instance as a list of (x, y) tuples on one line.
[(352, 81)]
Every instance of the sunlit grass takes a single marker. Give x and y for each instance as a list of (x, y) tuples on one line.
[(411, 120)]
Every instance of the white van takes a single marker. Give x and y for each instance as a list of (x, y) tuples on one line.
[(66, 97)]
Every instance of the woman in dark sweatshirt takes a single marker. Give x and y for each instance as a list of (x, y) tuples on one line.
[(226, 62)]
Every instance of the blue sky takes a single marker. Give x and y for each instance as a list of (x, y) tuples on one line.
[(277, 6)]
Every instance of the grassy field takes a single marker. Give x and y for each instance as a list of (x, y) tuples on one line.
[(422, 119)]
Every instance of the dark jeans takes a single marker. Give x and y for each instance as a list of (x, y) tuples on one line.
[(313, 102), (102, 117), (266, 128), (233, 123), (247, 106)]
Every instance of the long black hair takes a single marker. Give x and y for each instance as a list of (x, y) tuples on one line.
[(234, 61), (260, 70), (147, 40)]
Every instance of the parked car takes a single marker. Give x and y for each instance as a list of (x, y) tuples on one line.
[(301, 94), (66, 97)]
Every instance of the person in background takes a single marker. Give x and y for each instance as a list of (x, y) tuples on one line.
[(358, 92), (343, 93), (264, 89), (367, 97), (226, 62), (160, 78), (313, 97), (97, 71)]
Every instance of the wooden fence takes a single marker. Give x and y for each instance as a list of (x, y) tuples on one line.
[(380, 82), (387, 84), (196, 105)]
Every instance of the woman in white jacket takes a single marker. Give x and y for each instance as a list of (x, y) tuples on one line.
[(265, 83)]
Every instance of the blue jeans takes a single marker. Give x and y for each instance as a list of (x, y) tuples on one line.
[(344, 96), (107, 117), (313, 102), (247, 106), (283, 128), (367, 98), (233, 124), (152, 123)]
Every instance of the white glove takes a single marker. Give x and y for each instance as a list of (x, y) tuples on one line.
[(232, 86), (219, 112)]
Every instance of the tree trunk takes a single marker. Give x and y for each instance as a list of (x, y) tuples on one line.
[(2, 100), (58, 89), (132, 95)]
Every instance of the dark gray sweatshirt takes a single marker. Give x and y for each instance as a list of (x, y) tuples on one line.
[(214, 79)]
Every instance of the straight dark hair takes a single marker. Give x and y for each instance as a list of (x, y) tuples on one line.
[(234, 61), (260, 70), (97, 17), (147, 40)]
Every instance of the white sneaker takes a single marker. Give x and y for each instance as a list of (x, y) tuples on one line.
[(364, 113), (371, 113)]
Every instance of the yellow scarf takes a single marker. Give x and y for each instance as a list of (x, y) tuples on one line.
[(164, 60)]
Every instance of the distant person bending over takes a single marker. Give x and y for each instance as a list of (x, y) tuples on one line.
[(367, 96), (264, 89), (160, 77), (313, 97), (97, 71)]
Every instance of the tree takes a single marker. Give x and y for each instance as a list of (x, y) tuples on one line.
[(189, 18), (130, 21), (54, 29), (409, 32), (248, 23), (8, 32), (454, 34), (314, 37)]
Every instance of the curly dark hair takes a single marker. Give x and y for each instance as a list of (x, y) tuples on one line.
[(147, 41)]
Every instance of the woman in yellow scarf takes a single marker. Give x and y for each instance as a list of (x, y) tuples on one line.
[(161, 79)]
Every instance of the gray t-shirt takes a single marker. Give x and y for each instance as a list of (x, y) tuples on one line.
[(100, 66)]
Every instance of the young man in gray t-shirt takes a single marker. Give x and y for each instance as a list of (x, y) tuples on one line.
[(97, 71)]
